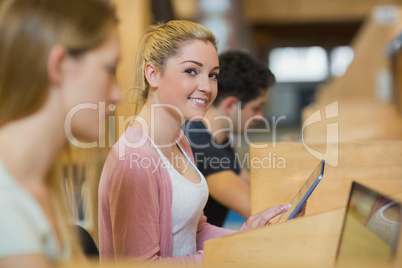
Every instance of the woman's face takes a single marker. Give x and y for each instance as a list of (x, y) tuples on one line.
[(188, 85), (90, 87)]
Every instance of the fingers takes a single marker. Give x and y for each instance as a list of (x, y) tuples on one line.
[(272, 212), (253, 220), (263, 218)]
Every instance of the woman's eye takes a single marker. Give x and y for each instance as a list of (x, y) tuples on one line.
[(191, 71), (214, 76)]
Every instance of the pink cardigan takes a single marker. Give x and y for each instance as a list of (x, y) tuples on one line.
[(135, 202)]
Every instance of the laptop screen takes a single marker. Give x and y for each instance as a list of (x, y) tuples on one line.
[(371, 227)]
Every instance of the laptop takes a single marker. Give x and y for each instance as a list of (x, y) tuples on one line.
[(371, 227)]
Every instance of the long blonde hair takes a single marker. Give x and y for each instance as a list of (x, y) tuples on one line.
[(161, 42), (28, 31)]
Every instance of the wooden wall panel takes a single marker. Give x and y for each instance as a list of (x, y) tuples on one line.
[(135, 16), (302, 11)]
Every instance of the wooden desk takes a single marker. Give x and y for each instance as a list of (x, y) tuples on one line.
[(277, 172), (302, 242), (359, 240)]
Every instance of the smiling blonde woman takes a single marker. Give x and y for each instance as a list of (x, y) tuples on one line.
[(151, 194)]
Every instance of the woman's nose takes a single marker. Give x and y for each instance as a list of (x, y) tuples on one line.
[(205, 84)]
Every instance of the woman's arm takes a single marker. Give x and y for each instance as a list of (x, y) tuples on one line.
[(207, 231), (130, 213)]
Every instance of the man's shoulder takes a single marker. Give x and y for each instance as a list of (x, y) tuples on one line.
[(197, 134)]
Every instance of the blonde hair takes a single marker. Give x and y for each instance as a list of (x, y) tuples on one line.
[(161, 42), (28, 31)]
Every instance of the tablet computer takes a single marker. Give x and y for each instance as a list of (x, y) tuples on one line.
[(305, 191)]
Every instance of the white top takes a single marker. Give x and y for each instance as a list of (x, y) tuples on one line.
[(188, 202), (24, 228)]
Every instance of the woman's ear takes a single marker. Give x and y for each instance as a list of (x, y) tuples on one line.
[(54, 70), (152, 75), (230, 105)]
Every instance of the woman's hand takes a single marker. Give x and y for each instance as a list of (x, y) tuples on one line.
[(263, 218)]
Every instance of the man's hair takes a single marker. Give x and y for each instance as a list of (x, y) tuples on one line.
[(242, 76)]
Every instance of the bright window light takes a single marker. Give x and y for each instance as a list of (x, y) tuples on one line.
[(299, 64), (214, 6), (341, 57)]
